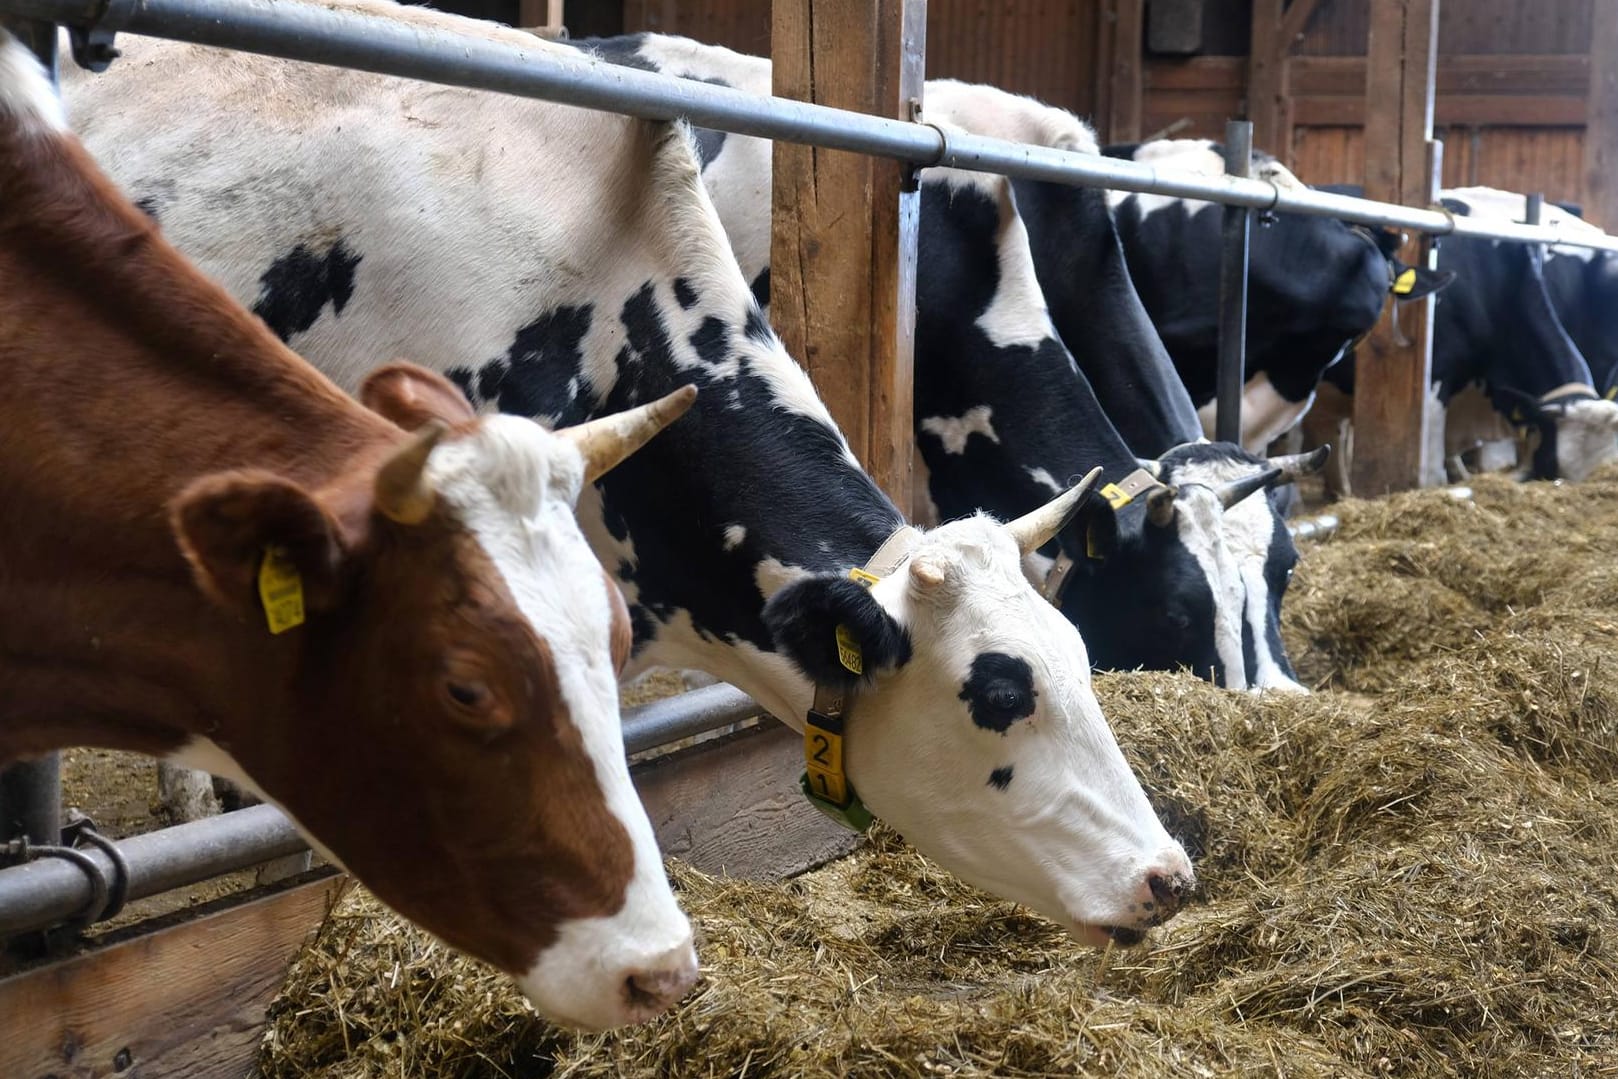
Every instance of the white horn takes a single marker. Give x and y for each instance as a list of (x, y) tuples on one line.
[(402, 492), (1038, 527), (605, 442)]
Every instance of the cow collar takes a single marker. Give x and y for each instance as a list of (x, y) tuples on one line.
[(824, 781), (1577, 390), (1118, 495)]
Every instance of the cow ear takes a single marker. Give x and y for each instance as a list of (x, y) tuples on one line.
[(247, 531), (1095, 527), (1417, 282), (835, 630), (411, 396)]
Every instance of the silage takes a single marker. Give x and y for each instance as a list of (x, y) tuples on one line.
[(1409, 873)]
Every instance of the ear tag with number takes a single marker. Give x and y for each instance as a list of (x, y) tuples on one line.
[(280, 589), (1405, 283), (1116, 496), (848, 651)]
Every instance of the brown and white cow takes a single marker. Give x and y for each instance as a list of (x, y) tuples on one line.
[(436, 704)]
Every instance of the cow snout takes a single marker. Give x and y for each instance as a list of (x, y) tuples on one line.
[(658, 986), (1169, 890)]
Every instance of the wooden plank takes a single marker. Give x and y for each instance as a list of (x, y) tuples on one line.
[(1391, 413), (1601, 137), (1538, 75), (1296, 21), (1481, 110), (1267, 79), (1125, 86), (186, 1000), (843, 235), (732, 806), (1196, 73)]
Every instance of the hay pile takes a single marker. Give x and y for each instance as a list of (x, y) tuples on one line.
[(1409, 873)]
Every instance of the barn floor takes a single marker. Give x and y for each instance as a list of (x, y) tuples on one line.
[(1409, 872)]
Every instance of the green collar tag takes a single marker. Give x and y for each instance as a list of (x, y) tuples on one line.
[(853, 816)]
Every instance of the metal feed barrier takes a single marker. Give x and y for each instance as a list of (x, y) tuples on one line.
[(80, 885)]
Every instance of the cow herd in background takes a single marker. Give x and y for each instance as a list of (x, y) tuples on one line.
[(455, 644)]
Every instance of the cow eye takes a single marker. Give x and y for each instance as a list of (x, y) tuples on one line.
[(468, 694)]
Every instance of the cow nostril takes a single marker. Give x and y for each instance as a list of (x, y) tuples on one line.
[(1169, 890), (660, 989)]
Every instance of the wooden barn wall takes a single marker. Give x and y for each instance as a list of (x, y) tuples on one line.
[(1040, 47), (1513, 81)]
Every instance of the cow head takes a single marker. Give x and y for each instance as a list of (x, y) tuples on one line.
[(1573, 433), (1405, 282), (1193, 572), (450, 730), (976, 733)]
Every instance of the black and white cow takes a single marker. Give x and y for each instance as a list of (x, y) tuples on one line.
[(1004, 415), (562, 263), (1315, 285), (1497, 326)]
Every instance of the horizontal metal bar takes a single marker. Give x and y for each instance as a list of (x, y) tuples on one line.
[(50, 891), (371, 40), (685, 716)]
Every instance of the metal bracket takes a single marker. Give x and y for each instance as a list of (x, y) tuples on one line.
[(108, 892), (910, 175), (92, 45)]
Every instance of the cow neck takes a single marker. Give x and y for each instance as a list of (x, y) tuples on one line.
[(1079, 260), (825, 778), (128, 375)]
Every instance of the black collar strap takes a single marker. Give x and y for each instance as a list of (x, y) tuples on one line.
[(824, 781), (1118, 495)]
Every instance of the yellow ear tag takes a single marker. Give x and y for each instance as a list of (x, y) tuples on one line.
[(1610, 394), (848, 651), (280, 589), (859, 576), (1405, 283), (1116, 496)]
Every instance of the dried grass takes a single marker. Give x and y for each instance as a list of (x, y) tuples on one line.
[(1410, 873)]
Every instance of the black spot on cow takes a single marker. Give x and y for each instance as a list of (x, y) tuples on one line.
[(297, 287), (807, 614), (148, 206), (999, 691), (623, 50), (540, 374), (760, 288), (758, 328), (1000, 778), (464, 377), (709, 143), (712, 340), (684, 293)]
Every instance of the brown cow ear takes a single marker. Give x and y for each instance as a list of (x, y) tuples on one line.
[(410, 396), (261, 546)]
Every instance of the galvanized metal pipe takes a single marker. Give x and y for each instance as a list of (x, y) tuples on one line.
[(1235, 235), (51, 891), (374, 41)]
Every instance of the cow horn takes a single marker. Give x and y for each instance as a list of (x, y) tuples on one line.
[(402, 492), (1160, 506), (1295, 466), (1236, 490), (605, 442), (1038, 527)]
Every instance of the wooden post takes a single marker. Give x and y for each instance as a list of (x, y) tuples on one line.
[(540, 15), (1394, 365), (843, 235), (1266, 79), (1126, 24), (1601, 127)]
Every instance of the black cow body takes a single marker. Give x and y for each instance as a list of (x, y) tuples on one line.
[(1314, 286)]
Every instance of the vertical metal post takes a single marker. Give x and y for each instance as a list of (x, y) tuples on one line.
[(31, 791), (1533, 208), (1233, 289)]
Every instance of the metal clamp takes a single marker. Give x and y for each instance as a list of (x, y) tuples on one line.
[(92, 45), (108, 892)]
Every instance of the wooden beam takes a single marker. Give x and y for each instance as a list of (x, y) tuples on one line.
[(732, 806), (540, 15), (843, 236), (1601, 136), (1394, 365), (1266, 80), (1296, 21), (185, 1000), (1124, 95)]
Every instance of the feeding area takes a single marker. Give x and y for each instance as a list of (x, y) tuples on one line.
[(1408, 872)]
